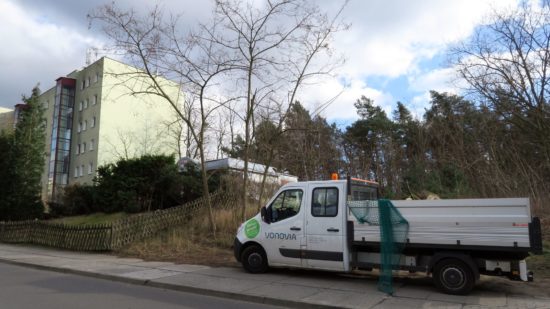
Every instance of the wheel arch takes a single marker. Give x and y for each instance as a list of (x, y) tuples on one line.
[(466, 258), (250, 244)]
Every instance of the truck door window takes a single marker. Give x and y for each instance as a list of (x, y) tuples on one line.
[(324, 202), (286, 205)]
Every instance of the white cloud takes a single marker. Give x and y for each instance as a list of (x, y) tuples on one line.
[(389, 38), (35, 50), (315, 98), (441, 80)]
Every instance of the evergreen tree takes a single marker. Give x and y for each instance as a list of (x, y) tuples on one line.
[(308, 147), (6, 171), (25, 163), (368, 143)]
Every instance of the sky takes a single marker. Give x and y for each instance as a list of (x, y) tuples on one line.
[(395, 50)]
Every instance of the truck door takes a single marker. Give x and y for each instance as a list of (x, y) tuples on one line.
[(325, 227), (284, 237)]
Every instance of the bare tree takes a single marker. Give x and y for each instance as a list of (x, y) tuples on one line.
[(507, 64), (275, 44), (175, 132), (175, 67), (121, 147), (221, 133), (149, 139)]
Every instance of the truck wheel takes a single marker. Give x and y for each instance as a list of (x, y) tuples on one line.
[(254, 260), (452, 276)]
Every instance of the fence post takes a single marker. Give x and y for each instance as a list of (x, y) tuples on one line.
[(110, 243)]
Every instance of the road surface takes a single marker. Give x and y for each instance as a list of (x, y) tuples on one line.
[(22, 287)]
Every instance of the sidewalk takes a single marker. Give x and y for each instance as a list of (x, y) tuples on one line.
[(278, 287)]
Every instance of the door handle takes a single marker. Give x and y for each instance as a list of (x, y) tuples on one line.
[(333, 230), (295, 228)]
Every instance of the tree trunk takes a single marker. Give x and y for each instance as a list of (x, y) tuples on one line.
[(264, 177), (245, 174), (205, 190)]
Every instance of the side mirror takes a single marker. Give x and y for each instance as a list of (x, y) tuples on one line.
[(266, 216)]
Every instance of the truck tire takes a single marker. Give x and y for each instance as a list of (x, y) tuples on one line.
[(254, 260), (453, 276)]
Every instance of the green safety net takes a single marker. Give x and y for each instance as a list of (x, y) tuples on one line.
[(393, 234)]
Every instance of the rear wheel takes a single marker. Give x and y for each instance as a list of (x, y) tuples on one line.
[(453, 276), (254, 260)]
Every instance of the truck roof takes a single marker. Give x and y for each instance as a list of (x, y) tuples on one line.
[(353, 180)]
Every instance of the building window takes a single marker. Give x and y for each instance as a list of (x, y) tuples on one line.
[(81, 85), (94, 99), (76, 172), (82, 170), (78, 149), (46, 104), (90, 167), (80, 106), (92, 144), (85, 103), (93, 122), (87, 82), (85, 125), (83, 147), (96, 77), (79, 127)]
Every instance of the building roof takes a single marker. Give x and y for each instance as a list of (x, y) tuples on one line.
[(236, 164), (5, 110)]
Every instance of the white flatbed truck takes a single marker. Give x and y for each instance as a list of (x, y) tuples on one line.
[(310, 225)]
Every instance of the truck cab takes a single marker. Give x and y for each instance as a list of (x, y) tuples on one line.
[(303, 226)]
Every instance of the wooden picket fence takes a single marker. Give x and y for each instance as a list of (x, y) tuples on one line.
[(105, 237), (79, 238)]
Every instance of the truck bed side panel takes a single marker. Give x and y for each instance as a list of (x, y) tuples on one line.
[(467, 222)]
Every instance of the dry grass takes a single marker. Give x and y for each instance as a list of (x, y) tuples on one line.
[(540, 264), (193, 243)]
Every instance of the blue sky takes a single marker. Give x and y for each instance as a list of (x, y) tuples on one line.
[(395, 49)]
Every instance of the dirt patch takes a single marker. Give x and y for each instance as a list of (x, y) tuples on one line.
[(182, 246), (538, 288), (201, 255)]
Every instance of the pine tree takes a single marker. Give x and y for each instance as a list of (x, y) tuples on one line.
[(25, 163)]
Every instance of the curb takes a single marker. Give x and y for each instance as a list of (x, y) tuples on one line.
[(174, 287)]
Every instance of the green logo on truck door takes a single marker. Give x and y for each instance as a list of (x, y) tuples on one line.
[(252, 228)]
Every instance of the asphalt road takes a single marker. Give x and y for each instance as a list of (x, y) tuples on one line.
[(22, 287)]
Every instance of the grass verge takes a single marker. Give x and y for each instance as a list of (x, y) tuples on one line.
[(96, 218), (193, 243), (540, 264)]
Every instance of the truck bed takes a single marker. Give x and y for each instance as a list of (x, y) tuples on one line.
[(499, 223)]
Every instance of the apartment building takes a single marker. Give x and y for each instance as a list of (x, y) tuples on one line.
[(7, 117), (97, 115)]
